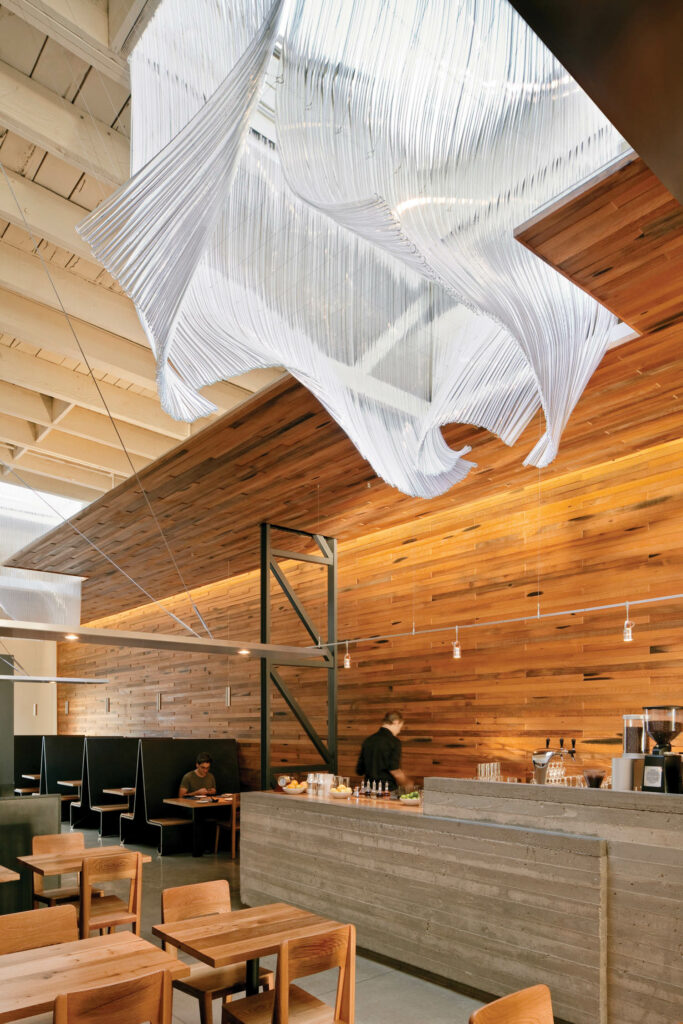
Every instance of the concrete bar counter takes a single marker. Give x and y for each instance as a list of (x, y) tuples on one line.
[(493, 886)]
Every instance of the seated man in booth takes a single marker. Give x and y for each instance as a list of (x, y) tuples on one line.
[(199, 782)]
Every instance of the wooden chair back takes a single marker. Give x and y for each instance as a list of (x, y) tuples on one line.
[(34, 928), (147, 998), (297, 958), (60, 842), (110, 867), (528, 1006), (196, 900)]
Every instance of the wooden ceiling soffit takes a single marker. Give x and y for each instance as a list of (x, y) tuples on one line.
[(282, 654), (619, 237), (626, 54), (281, 458)]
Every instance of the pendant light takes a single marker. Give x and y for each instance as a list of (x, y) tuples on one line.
[(457, 651)]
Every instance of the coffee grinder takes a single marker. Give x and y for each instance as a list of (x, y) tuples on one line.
[(662, 768)]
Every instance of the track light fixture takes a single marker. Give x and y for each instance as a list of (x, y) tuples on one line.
[(457, 650)]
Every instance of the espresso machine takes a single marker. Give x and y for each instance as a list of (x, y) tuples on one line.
[(662, 768)]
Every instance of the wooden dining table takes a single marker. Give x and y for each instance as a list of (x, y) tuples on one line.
[(65, 862), (198, 805), (31, 980), (7, 875), (222, 939)]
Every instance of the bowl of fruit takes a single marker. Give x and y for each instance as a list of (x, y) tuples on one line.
[(341, 792), (412, 797), (293, 788)]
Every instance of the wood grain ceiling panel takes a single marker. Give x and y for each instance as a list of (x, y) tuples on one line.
[(619, 236), (281, 457)]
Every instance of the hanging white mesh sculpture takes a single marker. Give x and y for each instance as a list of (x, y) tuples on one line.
[(415, 136)]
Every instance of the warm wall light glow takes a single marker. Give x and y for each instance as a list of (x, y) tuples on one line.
[(71, 636), (628, 628), (347, 657), (243, 650)]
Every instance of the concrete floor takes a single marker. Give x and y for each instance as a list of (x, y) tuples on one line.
[(384, 995)]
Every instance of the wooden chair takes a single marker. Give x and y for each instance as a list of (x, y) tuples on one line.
[(233, 823), (528, 1006), (109, 911), (206, 983), (34, 928), (289, 1004), (147, 998), (61, 842)]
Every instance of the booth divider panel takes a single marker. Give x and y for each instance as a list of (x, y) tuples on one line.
[(22, 818), (27, 757)]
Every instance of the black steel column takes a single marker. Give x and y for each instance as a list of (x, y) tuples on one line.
[(332, 672), (265, 662), (270, 567)]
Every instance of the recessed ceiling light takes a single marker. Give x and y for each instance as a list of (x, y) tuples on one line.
[(71, 636)]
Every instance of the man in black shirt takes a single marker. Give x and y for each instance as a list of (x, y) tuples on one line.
[(380, 754)]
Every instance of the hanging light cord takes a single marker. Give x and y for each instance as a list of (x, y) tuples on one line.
[(505, 622), (89, 368)]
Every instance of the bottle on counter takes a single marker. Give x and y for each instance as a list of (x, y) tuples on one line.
[(385, 794), (373, 791)]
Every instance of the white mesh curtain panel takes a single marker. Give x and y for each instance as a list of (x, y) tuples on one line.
[(375, 342), (372, 252), (434, 127), (196, 76)]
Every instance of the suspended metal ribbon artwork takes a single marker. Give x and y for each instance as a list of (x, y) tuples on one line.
[(371, 252)]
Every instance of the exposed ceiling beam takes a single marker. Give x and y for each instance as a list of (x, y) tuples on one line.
[(30, 310), (51, 485), (86, 424), (27, 275), (48, 215), (40, 116), (47, 412), (28, 405), (283, 655), (52, 469), (50, 379), (80, 26), (22, 433), (49, 329), (127, 21)]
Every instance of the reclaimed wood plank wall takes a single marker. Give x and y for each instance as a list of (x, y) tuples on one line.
[(600, 534)]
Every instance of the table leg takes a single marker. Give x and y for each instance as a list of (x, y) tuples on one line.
[(252, 977), (197, 835)]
